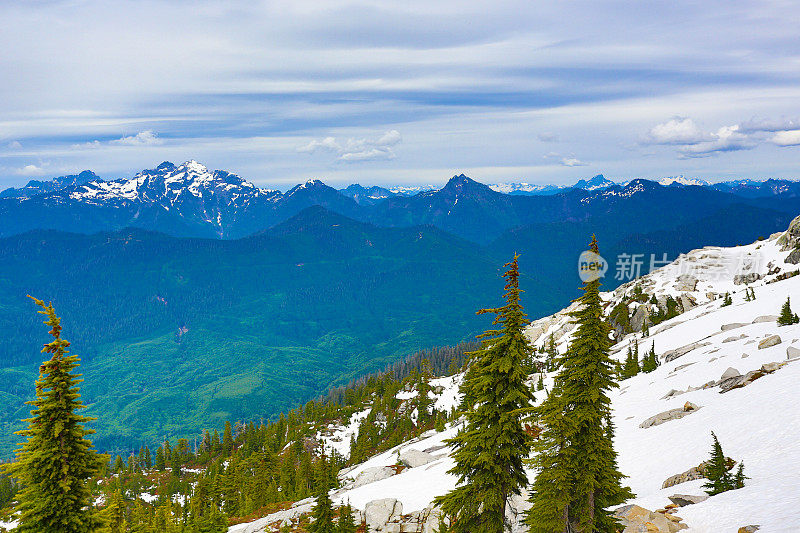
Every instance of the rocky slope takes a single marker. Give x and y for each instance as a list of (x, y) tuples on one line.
[(730, 369)]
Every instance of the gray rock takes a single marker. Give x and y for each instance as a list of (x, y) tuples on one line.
[(686, 283), (772, 340), (414, 458), (734, 325), (745, 355), (792, 352), (735, 338), (371, 475), (794, 257), (378, 512), (765, 318), (673, 414), (682, 500), (671, 355), (791, 239), (730, 373), (638, 318), (740, 279)]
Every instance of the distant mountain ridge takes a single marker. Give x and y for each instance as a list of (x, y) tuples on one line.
[(189, 200)]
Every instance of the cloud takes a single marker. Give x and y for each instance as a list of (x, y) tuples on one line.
[(678, 130), (143, 138), (15, 145), (87, 145), (726, 139), (353, 150), (548, 137), (572, 162), (786, 138), (31, 170)]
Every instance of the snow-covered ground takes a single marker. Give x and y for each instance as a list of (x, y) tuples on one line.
[(758, 424)]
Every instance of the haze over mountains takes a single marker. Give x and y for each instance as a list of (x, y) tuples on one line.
[(205, 298)]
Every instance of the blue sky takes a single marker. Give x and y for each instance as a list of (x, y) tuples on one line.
[(401, 92)]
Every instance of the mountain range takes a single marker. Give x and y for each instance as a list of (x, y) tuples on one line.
[(189, 200), (205, 298)]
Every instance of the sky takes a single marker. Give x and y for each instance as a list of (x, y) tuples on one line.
[(401, 93)]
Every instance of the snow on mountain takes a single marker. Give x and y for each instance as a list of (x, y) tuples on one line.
[(527, 188), (682, 180), (756, 419), (412, 190)]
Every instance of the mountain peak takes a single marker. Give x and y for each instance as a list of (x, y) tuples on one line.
[(595, 182)]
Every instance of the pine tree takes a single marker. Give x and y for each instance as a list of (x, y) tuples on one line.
[(57, 460), (752, 294), (346, 523), (645, 330), (227, 438), (322, 513), (577, 476), (719, 479), (631, 367), (115, 514), (787, 318), (552, 354), (650, 361), (489, 450), (727, 300), (738, 479)]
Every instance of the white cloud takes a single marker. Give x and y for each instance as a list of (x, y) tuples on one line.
[(87, 145), (15, 145), (353, 150), (31, 170), (143, 138), (573, 162), (678, 130), (726, 139), (786, 138)]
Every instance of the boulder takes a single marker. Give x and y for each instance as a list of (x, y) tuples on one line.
[(751, 277), (671, 355), (734, 325), (414, 458), (791, 238), (682, 500), (686, 283), (636, 519), (378, 513), (673, 414), (371, 475), (749, 529), (730, 373), (765, 318), (638, 318), (792, 352), (735, 338), (772, 340)]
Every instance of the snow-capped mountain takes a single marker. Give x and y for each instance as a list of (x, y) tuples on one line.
[(594, 183), (682, 181), (730, 369), (36, 187), (527, 188)]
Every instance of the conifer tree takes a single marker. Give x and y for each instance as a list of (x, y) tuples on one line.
[(787, 318), (631, 367), (57, 460), (552, 354), (650, 361), (577, 476), (727, 300), (227, 438), (738, 479), (115, 514), (719, 479), (490, 449), (346, 523), (322, 513)]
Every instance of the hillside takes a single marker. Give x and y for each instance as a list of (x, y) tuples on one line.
[(734, 363), (180, 334)]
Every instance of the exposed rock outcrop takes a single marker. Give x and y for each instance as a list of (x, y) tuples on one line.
[(636, 519), (673, 414)]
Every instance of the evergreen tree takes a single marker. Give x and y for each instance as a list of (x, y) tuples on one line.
[(346, 523), (57, 460), (577, 476), (631, 367), (645, 330), (787, 318), (727, 300), (119, 464), (752, 294), (322, 513), (650, 361), (738, 479), (115, 514), (489, 450), (227, 438), (719, 479), (552, 354)]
